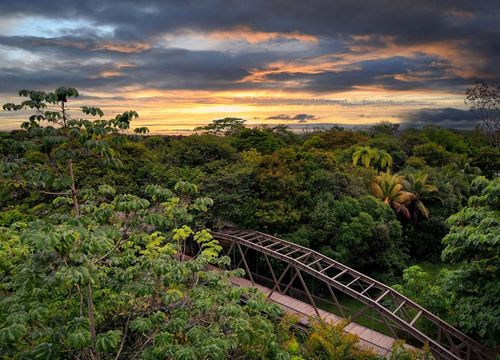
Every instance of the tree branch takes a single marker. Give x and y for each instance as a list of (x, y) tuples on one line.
[(55, 193), (124, 336)]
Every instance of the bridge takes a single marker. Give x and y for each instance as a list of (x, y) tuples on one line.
[(300, 275)]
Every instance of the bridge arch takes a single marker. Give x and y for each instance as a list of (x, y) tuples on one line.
[(397, 311)]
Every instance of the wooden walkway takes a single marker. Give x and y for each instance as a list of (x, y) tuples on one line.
[(289, 264), (373, 340), (380, 343)]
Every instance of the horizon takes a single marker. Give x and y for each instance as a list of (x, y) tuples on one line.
[(183, 64)]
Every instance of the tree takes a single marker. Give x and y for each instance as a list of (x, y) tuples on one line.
[(418, 185), (330, 342), (335, 138), (487, 158), (366, 154), (361, 232), (390, 189), (198, 150), (434, 154), (473, 243), (383, 128), (226, 126), (484, 102), (372, 157), (451, 140), (106, 280), (393, 147), (60, 147), (384, 160), (263, 140), (428, 291), (111, 285)]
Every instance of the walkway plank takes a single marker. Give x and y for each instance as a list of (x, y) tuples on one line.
[(379, 343)]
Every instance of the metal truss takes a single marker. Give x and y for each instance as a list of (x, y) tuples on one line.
[(400, 314)]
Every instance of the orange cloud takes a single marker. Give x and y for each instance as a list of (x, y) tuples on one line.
[(115, 70), (95, 46), (109, 74), (455, 53), (460, 13), (122, 47), (254, 37)]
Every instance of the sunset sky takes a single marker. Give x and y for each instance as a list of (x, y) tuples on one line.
[(183, 63)]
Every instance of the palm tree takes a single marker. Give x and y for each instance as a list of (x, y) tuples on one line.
[(418, 185), (384, 159), (389, 188), (366, 154), (460, 174), (371, 157)]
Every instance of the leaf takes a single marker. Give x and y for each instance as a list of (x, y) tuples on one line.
[(12, 334), (45, 351), (79, 339), (106, 190), (172, 296), (182, 233), (141, 325), (108, 341)]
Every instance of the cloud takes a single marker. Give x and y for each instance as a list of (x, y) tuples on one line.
[(443, 117), (301, 118), (291, 53), (321, 46)]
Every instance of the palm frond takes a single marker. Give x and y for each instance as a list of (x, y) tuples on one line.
[(401, 209), (423, 210)]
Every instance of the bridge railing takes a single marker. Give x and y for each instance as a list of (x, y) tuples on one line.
[(396, 310)]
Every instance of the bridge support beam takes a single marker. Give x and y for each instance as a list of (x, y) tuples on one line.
[(397, 311)]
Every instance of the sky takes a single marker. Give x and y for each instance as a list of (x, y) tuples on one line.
[(181, 64)]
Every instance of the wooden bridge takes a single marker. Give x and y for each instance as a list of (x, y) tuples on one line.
[(305, 276)]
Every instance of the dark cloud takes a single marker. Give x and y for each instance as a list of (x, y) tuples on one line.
[(412, 20), (391, 73), (443, 117), (152, 68), (301, 118), (121, 43)]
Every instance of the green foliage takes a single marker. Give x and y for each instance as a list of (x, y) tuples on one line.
[(8, 217), (59, 148), (363, 233), (418, 184), (433, 154), (108, 341), (262, 140), (466, 296), (450, 140), (428, 291), (487, 158), (474, 243), (400, 352), (393, 146), (329, 342), (334, 139), (132, 201), (384, 128), (196, 150), (226, 126), (372, 157), (391, 190), (96, 280)]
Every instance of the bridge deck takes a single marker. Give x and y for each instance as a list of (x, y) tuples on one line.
[(371, 339), (288, 264)]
